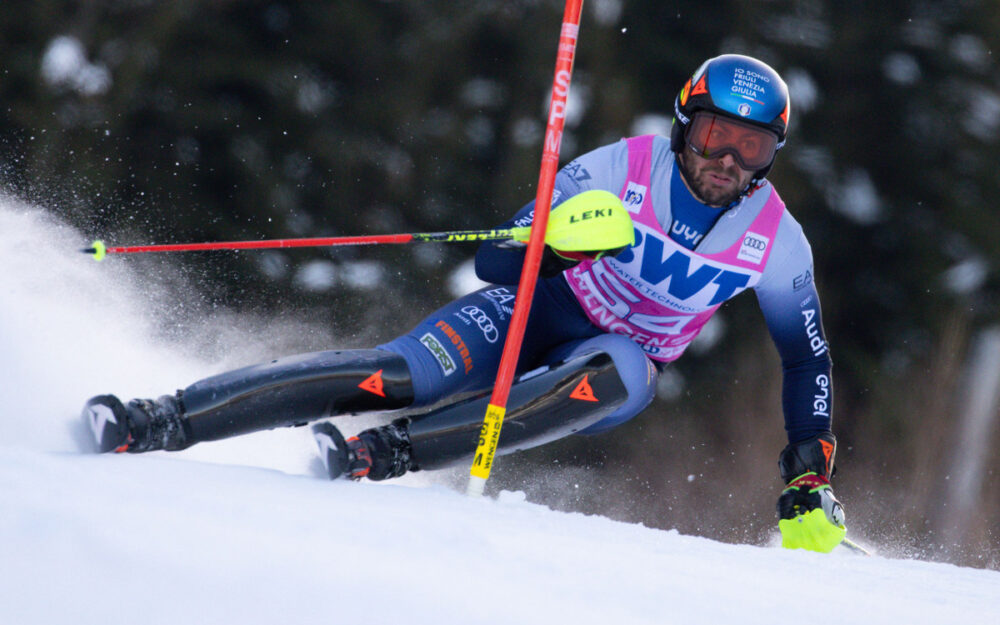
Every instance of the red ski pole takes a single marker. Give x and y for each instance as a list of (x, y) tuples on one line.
[(489, 435)]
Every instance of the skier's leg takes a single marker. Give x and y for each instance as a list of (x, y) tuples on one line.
[(283, 392), (638, 372), (295, 390), (596, 384), (453, 351)]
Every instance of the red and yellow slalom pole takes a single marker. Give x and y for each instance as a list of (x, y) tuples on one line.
[(489, 435)]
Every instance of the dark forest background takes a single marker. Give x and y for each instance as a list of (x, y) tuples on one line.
[(142, 121)]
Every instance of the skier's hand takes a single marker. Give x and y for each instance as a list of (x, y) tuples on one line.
[(810, 517)]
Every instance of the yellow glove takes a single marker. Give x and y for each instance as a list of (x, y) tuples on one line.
[(810, 517)]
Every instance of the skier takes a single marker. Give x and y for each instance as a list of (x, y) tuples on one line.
[(703, 224)]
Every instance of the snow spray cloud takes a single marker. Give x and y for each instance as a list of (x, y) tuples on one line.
[(71, 328)]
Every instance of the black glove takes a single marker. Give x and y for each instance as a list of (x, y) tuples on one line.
[(554, 262), (810, 517)]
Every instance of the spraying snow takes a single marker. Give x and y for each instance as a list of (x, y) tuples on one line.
[(242, 532)]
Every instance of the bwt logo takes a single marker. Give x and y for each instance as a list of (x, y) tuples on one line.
[(684, 279)]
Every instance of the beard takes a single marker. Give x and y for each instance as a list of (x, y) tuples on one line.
[(702, 182)]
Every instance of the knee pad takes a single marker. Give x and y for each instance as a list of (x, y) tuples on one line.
[(544, 405), (637, 372)]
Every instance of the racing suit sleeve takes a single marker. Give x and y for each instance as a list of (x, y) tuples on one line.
[(790, 304), (605, 168), (500, 262)]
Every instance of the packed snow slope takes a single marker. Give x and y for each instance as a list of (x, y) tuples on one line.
[(244, 532)]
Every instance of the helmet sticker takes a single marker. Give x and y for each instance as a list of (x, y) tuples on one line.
[(747, 84), (699, 87)]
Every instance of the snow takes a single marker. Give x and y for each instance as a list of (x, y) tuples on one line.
[(243, 531), (65, 64)]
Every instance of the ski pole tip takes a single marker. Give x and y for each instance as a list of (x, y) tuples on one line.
[(97, 249)]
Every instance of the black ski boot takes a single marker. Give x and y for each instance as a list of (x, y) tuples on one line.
[(142, 425), (378, 454)]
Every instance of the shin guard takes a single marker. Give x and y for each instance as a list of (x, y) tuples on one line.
[(295, 390), (544, 405)]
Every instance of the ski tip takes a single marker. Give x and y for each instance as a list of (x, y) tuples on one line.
[(97, 249)]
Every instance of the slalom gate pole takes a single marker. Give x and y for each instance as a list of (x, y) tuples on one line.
[(489, 435), (99, 250)]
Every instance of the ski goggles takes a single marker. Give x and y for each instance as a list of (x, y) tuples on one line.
[(710, 136)]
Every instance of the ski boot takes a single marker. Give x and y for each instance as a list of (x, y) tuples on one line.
[(378, 453), (142, 425)]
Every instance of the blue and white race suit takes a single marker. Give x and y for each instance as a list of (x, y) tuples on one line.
[(647, 304)]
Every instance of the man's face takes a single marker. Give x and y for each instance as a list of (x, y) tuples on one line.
[(716, 181)]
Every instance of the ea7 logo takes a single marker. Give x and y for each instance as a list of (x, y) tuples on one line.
[(576, 171), (635, 193), (501, 294)]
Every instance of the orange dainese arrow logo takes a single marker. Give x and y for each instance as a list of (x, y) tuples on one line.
[(583, 391), (828, 452), (373, 384)]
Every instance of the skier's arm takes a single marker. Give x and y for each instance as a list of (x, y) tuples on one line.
[(810, 517), (792, 312), (500, 262)]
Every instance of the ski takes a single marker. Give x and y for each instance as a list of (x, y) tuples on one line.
[(854, 547)]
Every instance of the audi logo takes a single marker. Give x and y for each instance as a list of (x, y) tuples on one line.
[(754, 243), (483, 321)]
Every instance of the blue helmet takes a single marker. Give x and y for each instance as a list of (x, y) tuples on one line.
[(735, 86)]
